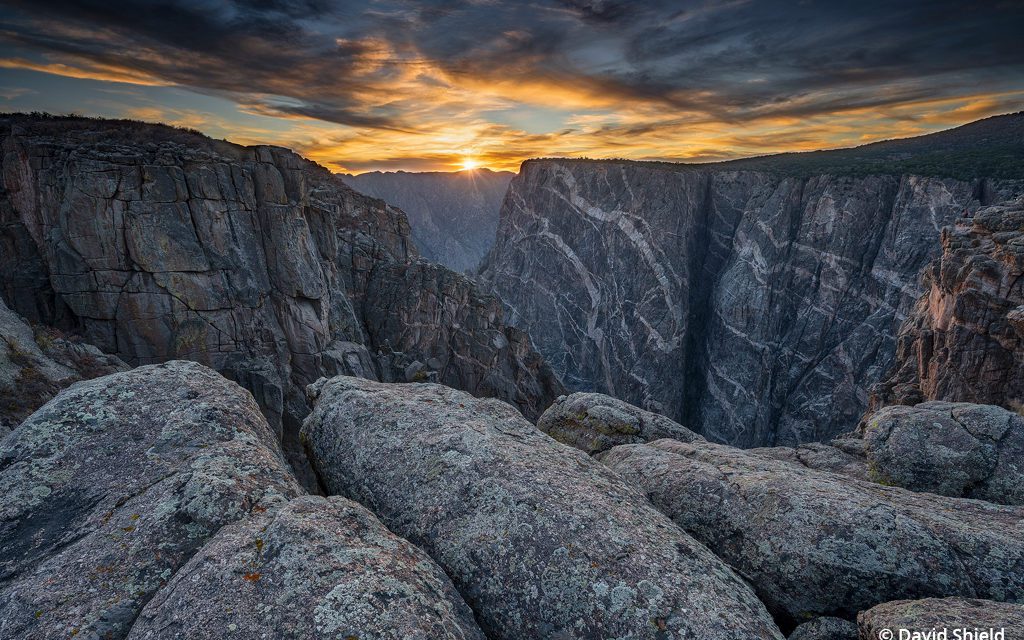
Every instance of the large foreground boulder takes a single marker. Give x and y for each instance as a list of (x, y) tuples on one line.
[(953, 449), (114, 484), (541, 540), (937, 615), (36, 363), (814, 543), (315, 568)]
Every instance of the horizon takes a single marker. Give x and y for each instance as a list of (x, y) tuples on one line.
[(416, 87)]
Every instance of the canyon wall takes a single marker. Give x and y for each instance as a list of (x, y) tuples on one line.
[(756, 307), (156, 244)]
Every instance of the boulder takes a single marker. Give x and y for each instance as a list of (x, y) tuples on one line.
[(594, 422), (541, 540), (820, 544), (953, 449), (825, 629), (114, 484), (943, 614), (313, 568)]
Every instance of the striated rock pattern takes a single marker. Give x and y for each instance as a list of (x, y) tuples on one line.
[(953, 449), (314, 568), (453, 216), (594, 422), (964, 341), (754, 308), (541, 540), (938, 614), (112, 486), (155, 244), (825, 629), (36, 363), (820, 544)]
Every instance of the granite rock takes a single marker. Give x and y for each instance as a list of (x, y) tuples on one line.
[(953, 449), (943, 614), (541, 540), (114, 484), (814, 543), (315, 567)]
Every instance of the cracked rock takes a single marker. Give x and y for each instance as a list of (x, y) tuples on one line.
[(541, 540), (953, 449)]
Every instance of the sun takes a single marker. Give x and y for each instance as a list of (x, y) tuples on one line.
[(468, 164)]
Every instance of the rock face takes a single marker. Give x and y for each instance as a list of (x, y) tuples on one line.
[(36, 363), (453, 216), (114, 485), (316, 567), (820, 544), (594, 422), (755, 307), (924, 616), (964, 341), (541, 540), (825, 629), (154, 244), (953, 449)]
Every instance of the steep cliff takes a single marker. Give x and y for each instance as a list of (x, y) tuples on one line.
[(964, 340), (453, 216), (756, 307), (154, 244)]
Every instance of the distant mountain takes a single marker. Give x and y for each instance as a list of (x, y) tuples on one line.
[(991, 148), (454, 216)]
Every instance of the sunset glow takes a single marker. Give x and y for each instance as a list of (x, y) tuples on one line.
[(393, 85)]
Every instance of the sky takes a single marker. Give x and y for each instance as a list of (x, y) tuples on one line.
[(447, 84)]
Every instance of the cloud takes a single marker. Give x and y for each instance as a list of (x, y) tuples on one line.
[(659, 79)]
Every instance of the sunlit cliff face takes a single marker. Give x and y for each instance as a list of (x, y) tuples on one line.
[(454, 85)]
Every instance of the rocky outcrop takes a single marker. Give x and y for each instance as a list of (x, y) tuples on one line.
[(964, 340), (842, 455), (541, 540), (594, 422), (943, 614), (825, 629), (755, 307), (316, 567), (953, 449), (154, 244), (820, 544), (453, 216), (114, 485), (37, 362)]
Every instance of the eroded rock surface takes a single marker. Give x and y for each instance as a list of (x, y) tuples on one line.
[(316, 567), (964, 340), (821, 544), (541, 540), (755, 308), (594, 422), (155, 244), (825, 629), (953, 449), (36, 363), (943, 614), (114, 484)]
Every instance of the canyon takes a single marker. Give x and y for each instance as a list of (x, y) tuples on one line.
[(756, 301), (236, 401)]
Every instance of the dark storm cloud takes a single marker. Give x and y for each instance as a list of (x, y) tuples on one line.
[(732, 61)]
